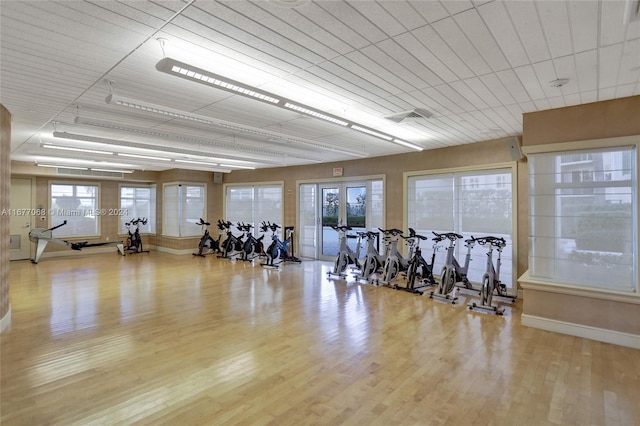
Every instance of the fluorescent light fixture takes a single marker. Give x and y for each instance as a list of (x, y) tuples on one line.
[(144, 157), (372, 132), (189, 72), (56, 166), (111, 170), (192, 73), (157, 109), (195, 162), (113, 126), (68, 148), (235, 166), (408, 144), (316, 114)]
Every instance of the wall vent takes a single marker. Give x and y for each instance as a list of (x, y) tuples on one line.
[(412, 115), (88, 173)]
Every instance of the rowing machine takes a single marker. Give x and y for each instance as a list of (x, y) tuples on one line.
[(43, 236)]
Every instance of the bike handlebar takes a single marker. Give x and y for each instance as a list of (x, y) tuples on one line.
[(446, 235)]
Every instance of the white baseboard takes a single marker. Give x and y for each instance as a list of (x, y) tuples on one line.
[(175, 251), (5, 322), (579, 330)]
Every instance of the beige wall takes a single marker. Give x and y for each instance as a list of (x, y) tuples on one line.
[(600, 120), (5, 201)]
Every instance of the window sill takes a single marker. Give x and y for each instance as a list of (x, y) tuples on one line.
[(529, 283)]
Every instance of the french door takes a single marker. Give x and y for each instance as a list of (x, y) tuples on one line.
[(357, 204)]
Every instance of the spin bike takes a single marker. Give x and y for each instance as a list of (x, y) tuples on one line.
[(491, 278), (279, 249), (452, 271), (418, 263), (232, 245), (252, 246), (42, 236), (373, 260), (134, 241), (395, 262), (206, 241), (345, 256)]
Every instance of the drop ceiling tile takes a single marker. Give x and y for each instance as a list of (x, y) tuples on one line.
[(496, 18), (479, 35), (431, 11), (449, 31), (442, 51), (457, 6), (469, 95), (516, 89), (524, 17), (426, 58), (587, 70), (629, 71), (402, 55), (480, 89), (380, 17), (404, 13), (612, 28), (498, 89), (348, 15), (583, 19), (565, 67), (609, 65), (554, 17)]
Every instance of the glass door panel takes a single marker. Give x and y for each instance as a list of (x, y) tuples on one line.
[(331, 215)]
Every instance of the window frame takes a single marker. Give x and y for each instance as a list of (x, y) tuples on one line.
[(512, 166), (197, 232), (536, 283), (152, 220), (51, 211), (253, 186)]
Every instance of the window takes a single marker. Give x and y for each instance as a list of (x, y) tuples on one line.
[(138, 201), (254, 204), (583, 220), (474, 203), (78, 205), (183, 205)]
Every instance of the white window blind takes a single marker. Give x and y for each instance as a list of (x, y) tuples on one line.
[(78, 205), (583, 221), (183, 206), (138, 201), (254, 204), (475, 203)]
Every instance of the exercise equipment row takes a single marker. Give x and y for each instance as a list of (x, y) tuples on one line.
[(418, 271), (247, 246)]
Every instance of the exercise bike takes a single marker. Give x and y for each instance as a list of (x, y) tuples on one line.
[(395, 262), (206, 241), (418, 268), (452, 271), (252, 246), (345, 256), (491, 278), (133, 243), (373, 260), (279, 249), (42, 236), (232, 245)]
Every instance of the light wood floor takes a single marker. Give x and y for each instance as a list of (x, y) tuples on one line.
[(164, 339)]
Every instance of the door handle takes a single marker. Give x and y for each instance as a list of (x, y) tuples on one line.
[(27, 225)]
